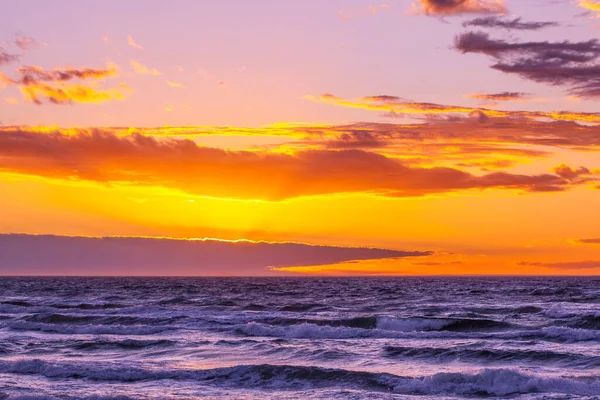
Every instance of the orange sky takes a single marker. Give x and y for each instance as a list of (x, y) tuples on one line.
[(489, 180)]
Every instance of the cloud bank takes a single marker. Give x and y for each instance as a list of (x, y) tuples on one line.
[(62, 255)]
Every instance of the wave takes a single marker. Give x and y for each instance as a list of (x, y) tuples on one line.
[(488, 382), (127, 344), (366, 327), (88, 329), (54, 318), (488, 356)]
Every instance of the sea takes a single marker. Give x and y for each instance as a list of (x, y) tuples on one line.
[(300, 338)]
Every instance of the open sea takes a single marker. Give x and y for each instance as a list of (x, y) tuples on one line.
[(299, 338)]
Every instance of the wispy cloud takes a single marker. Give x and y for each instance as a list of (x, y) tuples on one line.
[(25, 42), (6, 57), (141, 69), (396, 107), (174, 84), (502, 96), (133, 43), (11, 100)]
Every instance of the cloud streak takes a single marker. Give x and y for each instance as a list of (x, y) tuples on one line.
[(572, 265), (132, 43), (396, 107), (502, 96), (509, 24)]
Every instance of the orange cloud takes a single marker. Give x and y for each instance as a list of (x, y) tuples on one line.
[(141, 69), (394, 106), (133, 44), (11, 100), (174, 84), (182, 164), (66, 93), (457, 7), (37, 83), (590, 5)]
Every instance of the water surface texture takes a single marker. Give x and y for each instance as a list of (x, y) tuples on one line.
[(299, 338)]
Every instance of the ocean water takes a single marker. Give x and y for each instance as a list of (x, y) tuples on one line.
[(299, 338)]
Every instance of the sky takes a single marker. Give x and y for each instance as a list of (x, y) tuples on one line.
[(339, 137)]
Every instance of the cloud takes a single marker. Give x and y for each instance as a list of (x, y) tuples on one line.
[(458, 7), (38, 84), (594, 241), (570, 64), (6, 58), (394, 108), (141, 69), (133, 44), (25, 42), (61, 255), (67, 93), (573, 265), (11, 100), (571, 174), (516, 23), (590, 5), (503, 96), (174, 84), (181, 164)]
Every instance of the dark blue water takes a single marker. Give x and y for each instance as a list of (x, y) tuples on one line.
[(299, 338)]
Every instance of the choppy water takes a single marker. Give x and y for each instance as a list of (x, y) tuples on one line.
[(301, 338)]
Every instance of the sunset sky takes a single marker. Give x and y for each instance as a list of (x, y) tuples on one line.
[(346, 136)]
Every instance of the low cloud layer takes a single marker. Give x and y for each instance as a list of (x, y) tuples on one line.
[(61, 255)]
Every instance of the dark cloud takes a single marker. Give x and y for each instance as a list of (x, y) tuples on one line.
[(182, 164), (61, 255), (570, 64), (503, 23), (457, 7), (503, 96)]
